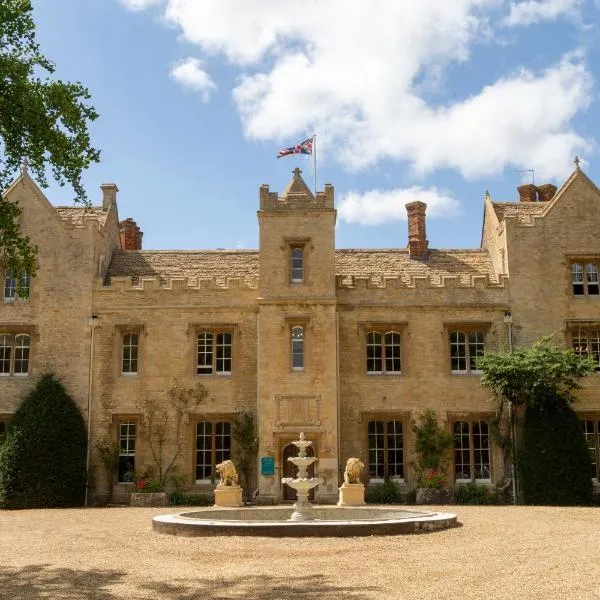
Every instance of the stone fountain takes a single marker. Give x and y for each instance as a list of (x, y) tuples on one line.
[(303, 510)]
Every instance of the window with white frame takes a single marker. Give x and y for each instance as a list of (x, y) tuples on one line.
[(127, 438), (465, 348), (386, 449), (12, 289), (297, 334), (214, 353), (471, 451), (584, 278), (591, 431), (297, 264), (129, 354), (213, 446), (383, 352), (14, 354), (586, 342)]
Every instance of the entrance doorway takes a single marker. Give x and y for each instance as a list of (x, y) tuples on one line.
[(290, 470)]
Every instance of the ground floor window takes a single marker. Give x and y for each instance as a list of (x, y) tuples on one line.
[(386, 449), (2, 432), (471, 451), (127, 435), (591, 431), (213, 446)]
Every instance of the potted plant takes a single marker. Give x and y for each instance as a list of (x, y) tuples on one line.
[(432, 444)]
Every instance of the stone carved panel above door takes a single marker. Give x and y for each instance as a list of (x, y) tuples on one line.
[(298, 410)]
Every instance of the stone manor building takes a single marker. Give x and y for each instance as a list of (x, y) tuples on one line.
[(348, 345)]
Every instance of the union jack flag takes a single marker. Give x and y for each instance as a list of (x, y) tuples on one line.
[(305, 147)]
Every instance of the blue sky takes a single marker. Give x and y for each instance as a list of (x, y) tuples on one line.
[(433, 101)]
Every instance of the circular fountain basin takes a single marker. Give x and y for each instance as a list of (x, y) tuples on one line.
[(329, 521)]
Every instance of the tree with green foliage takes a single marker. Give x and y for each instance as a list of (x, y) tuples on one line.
[(42, 121), (245, 450), (43, 460), (432, 444), (542, 381)]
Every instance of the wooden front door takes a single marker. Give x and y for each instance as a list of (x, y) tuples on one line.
[(290, 470)]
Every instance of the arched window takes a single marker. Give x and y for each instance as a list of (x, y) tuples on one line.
[(298, 348), (471, 451), (591, 279), (127, 437), (21, 364), (11, 290), (386, 449), (6, 346), (130, 354), (465, 348)]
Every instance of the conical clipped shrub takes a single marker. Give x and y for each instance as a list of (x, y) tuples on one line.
[(43, 459), (554, 462)]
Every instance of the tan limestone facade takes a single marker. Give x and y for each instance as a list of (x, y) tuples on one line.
[(349, 346)]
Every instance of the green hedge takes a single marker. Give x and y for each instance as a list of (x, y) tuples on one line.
[(43, 460), (554, 462), (383, 493)]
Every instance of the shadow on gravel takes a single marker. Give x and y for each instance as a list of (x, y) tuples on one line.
[(43, 582)]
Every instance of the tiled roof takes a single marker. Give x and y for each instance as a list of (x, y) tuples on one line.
[(378, 264), (524, 211), (375, 264), (75, 214), (193, 264)]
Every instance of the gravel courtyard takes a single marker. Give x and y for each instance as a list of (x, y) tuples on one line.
[(110, 554)]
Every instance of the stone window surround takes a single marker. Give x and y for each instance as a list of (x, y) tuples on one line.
[(594, 417), (292, 321), (466, 327), (195, 329), (119, 419), (122, 329), (193, 419), (366, 327), (288, 245), (470, 418), (590, 328), (13, 296), (16, 330), (583, 260)]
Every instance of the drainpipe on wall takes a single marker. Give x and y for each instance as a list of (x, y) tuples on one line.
[(93, 322), (511, 416), (337, 374)]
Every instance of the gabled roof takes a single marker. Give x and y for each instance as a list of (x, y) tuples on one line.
[(297, 187)]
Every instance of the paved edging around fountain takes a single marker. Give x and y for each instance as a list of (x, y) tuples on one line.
[(329, 522)]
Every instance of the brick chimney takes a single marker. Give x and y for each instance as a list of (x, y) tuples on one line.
[(527, 192), (131, 235), (109, 195), (417, 242), (546, 192)]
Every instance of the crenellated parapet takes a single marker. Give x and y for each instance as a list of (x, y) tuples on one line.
[(408, 281), (148, 284)]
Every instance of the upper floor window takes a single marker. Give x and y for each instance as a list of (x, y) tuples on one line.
[(12, 290), (214, 353), (383, 352), (591, 431), (471, 451), (298, 348), (14, 354), (129, 357), (465, 348), (386, 449), (127, 438), (584, 278), (586, 342), (297, 264), (213, 446)]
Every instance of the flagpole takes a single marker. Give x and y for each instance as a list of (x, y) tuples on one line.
[(315, 161)]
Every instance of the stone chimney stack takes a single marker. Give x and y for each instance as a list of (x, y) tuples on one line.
[(109, 195), (546, 192), (131, 235), (527, 193), (417, 239)]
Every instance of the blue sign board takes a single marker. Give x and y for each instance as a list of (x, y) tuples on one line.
[(267, 465)]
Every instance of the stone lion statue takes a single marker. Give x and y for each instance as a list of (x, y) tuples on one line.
[(354, 466), (227, 473)]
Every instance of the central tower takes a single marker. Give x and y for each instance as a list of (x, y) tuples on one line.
[(297, 334)]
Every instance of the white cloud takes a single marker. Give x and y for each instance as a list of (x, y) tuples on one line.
[(190, 74), (140, 4), (533, 11), (381, 206), (352, 71)]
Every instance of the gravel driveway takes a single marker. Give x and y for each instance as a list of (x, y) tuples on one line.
[(109, 554)]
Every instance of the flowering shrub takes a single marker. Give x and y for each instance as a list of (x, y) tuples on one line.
[(147, 486), (430, 478)]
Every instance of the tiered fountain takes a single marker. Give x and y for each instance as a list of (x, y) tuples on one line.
[(303, 510), (276, 521)]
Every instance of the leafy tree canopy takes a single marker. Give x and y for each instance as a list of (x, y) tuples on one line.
[(538, 376), (42, 120)]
